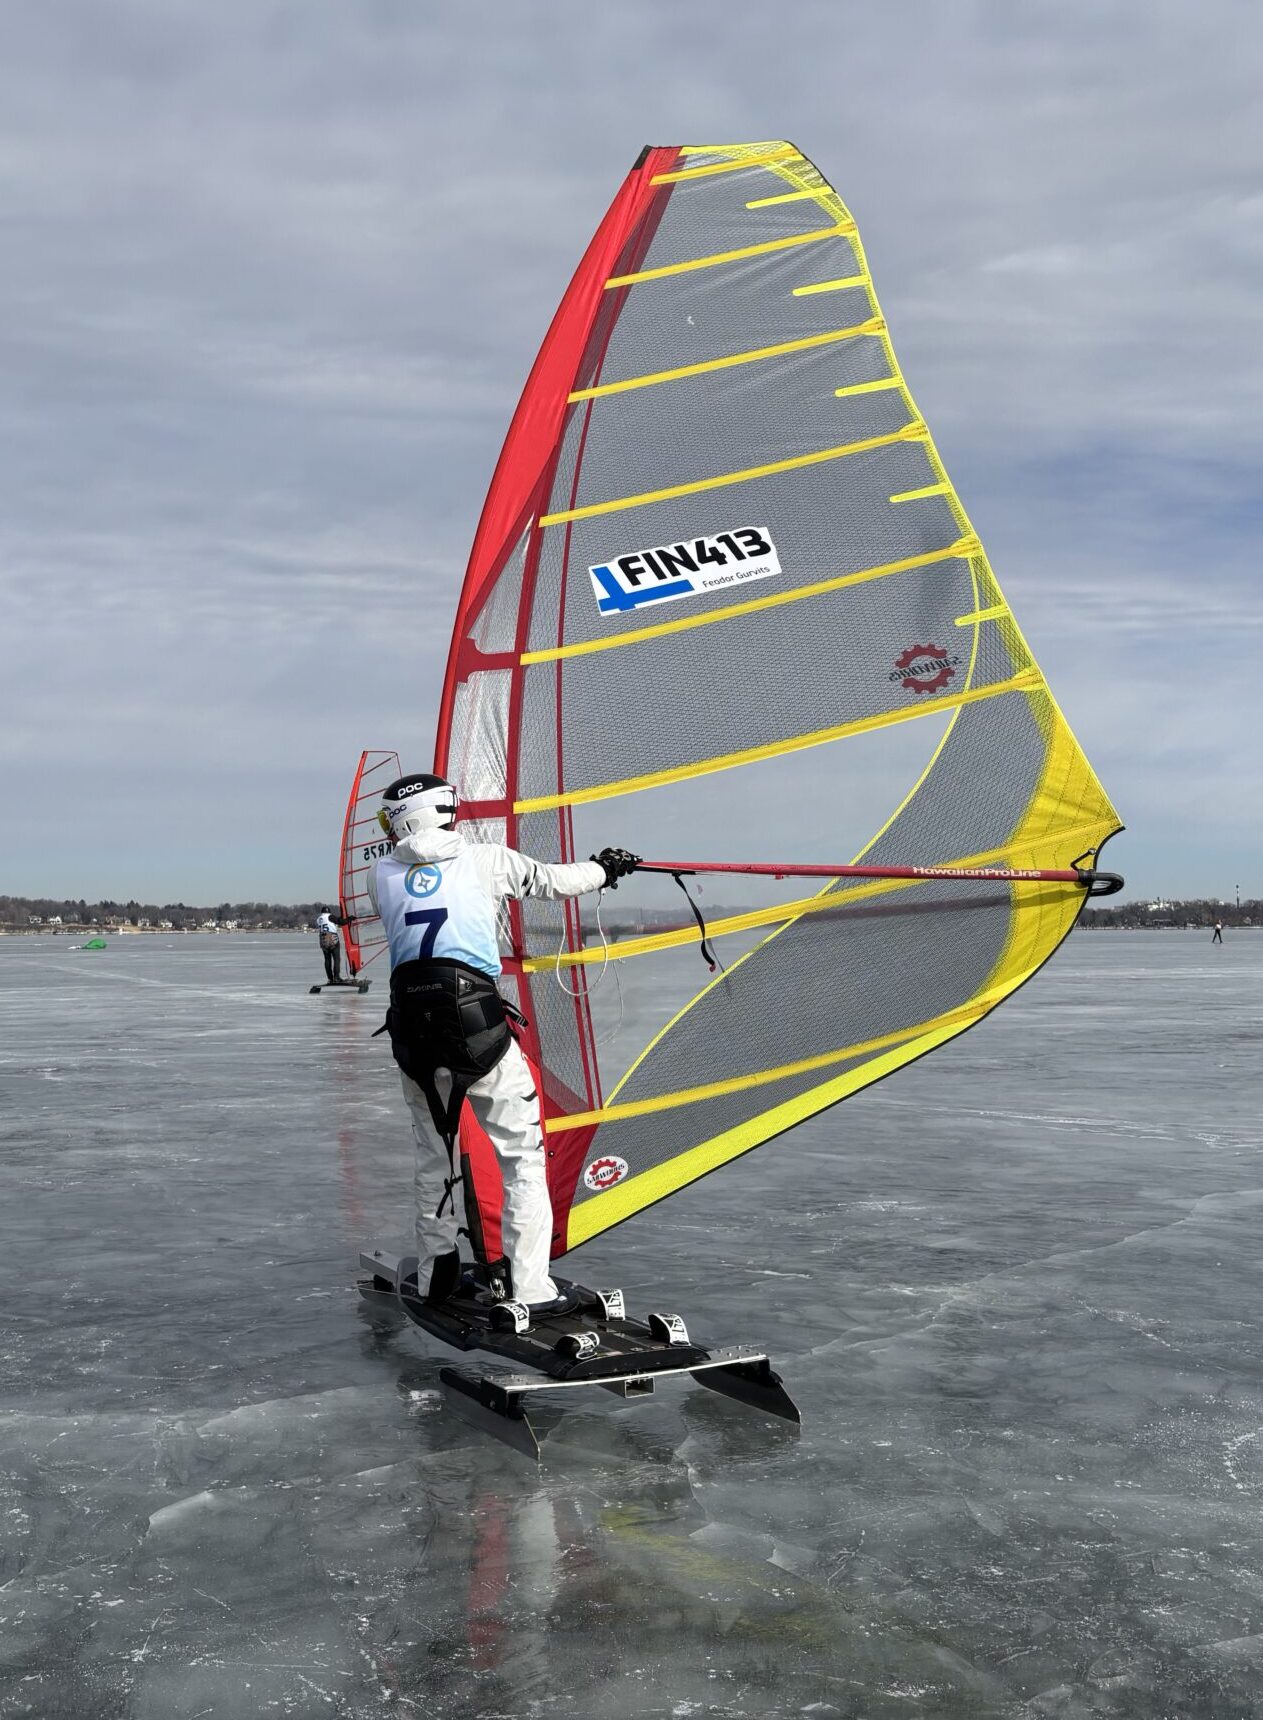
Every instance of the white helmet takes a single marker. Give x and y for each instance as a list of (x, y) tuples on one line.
[(415, 804)]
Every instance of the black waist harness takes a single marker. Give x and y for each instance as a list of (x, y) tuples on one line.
[(447, 1015)]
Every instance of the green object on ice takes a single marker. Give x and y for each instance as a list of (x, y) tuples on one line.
[(95, 944)]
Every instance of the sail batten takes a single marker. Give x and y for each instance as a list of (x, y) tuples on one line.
[(872, 326), (738, 256), (912, 432), (1027, 682), (687, 173), (615, 1111), (962, 549)]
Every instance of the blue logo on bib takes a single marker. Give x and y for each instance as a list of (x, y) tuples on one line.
[(422, 880)]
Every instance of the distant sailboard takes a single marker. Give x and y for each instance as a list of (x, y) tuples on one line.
[(720, 534), (363, 844)]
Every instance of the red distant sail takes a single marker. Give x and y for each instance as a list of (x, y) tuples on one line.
[(363, 844)]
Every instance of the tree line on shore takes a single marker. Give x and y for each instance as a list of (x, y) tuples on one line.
[(43, 914), (47, 913), (1173, 915)]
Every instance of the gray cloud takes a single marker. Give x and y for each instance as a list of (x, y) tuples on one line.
[(275, 274)]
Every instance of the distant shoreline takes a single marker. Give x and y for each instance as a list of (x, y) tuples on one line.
[(155, 931), (1087, 924)]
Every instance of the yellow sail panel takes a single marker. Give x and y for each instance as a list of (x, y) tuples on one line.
[(633, 1196), (814, 738)]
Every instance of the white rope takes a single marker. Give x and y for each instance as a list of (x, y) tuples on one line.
[(600, 1038), (605, 956)]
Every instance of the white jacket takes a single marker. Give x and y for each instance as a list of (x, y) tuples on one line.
[(432, 908)]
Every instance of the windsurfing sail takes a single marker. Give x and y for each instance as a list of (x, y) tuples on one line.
[(724, 601), (363, 844)]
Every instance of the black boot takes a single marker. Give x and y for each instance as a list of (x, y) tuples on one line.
[(445, 1277)]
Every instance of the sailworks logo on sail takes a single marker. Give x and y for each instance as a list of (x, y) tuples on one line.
[(604, 1173), (925, 668), (684, 569)]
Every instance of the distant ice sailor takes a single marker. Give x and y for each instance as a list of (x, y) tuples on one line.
[(1219, 932), (437, 897), (330, 944)]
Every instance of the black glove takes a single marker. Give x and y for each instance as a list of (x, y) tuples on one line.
[(618, 862)]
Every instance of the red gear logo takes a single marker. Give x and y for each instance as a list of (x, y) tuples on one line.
[(928, 657), (604, 1173)]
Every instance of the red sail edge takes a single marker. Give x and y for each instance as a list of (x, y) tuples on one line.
[(346, 909), (346, 903), (536, 427), (573, 347)]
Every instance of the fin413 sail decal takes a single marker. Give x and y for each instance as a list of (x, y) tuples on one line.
[(720, 534)]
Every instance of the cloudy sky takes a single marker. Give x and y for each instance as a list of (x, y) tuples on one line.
[(275, 273)]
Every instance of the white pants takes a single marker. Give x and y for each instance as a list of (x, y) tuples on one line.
[(507, 1108)]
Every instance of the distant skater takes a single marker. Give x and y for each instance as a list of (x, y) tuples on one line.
[(330, 945), (1219, 932)]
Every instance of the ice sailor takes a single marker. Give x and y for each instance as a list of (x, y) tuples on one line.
[(437, 896), (330, 944)]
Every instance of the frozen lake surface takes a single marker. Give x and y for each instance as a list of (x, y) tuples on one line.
[(1016, 1292)]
